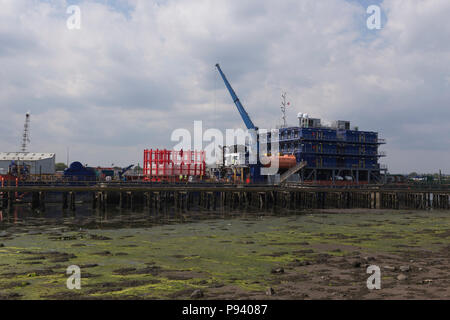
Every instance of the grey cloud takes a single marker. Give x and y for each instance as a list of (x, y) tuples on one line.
[(134, 74)]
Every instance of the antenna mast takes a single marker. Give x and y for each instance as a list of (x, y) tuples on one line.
[(284, 106), (26, 133)]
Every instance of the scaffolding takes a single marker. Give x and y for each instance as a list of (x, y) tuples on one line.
[(171, 165), (333, 153)]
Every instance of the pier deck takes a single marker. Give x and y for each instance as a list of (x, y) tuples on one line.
[(185, 196)]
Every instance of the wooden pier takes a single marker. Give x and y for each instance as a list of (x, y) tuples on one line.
[(185, 197)]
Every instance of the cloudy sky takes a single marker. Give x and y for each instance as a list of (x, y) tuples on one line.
[(138, 69)]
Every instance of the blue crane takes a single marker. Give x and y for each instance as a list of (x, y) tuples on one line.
[(122, 172), (248, 122), (255, 169)]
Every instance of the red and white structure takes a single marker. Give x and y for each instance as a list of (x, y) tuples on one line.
[(170, 165)]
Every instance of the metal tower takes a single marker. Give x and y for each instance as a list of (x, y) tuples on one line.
[(26, 133), (284, 106)]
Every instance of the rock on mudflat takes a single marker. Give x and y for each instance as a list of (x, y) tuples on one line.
[(401, 277), (277, 270), (369, 258), (89, 265), (197, 294), (298, 263), (270, 291), (390, 268), (99, 237), (405, 268), (34, 232)]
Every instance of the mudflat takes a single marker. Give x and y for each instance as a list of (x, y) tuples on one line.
[(322, 254)]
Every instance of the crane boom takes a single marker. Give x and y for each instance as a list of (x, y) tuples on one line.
[(124, 170), (248, 122)]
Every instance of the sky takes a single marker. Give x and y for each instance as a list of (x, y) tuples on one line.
[(136, 70)]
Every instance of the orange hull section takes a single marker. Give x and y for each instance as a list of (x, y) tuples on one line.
[(284, 162)]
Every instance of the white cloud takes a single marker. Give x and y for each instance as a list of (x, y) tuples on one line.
[(126, 80)]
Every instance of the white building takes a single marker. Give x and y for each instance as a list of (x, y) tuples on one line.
[(39, 163)]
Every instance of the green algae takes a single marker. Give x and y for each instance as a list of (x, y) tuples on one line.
[(228, 251)]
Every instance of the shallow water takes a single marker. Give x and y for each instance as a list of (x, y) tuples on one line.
[(21, 217)]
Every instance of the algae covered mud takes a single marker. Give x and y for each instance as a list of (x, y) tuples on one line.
[(320, 254)]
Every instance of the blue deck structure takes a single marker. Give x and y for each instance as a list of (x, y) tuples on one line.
[(333, 152)]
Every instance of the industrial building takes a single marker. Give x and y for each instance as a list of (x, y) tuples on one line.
[(37, 163), (333, 152)]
